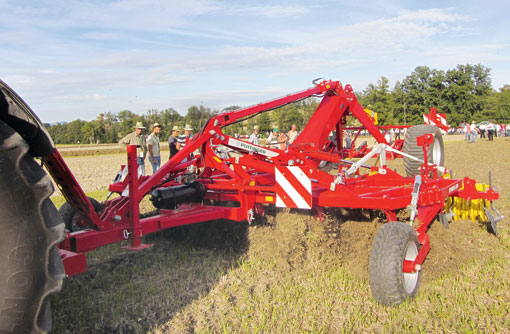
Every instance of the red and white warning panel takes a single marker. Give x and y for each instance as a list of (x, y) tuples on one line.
[(434, 118), (293, 187)]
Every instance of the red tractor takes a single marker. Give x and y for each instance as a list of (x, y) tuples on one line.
[(38, 250)]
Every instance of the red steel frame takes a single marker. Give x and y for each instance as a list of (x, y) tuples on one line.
[(249, 179)]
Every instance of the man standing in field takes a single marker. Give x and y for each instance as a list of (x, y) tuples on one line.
[(473, 131), (153, 146), (272, 139), (254, 138), (490, 131), (292, 134), (466, 131), (186, 137), (173, 142), (138, 139)]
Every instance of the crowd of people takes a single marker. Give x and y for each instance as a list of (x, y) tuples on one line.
[(276, 138), (149, 147), (485, 129)]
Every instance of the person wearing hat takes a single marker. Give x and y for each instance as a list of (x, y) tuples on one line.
[(272, 139), (153, 147), (254, 138), (173, 142), (185, 138), (473, 131), (138, 139)]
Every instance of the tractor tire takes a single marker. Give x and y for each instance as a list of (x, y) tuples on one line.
[(435, 153), (68, 213), (393, 243), (31, 267)]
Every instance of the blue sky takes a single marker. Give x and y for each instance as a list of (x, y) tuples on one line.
[(75, 59)]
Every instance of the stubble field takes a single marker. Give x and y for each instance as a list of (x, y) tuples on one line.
[(292, 274)]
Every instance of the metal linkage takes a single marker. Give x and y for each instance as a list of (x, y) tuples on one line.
[(237, 186)]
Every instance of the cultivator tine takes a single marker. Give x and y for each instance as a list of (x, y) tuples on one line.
[(494, 218), (445, 218)]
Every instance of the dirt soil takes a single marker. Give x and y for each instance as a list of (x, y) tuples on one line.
[(293, 240)]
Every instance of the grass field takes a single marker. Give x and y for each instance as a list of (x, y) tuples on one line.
[(295, 274)]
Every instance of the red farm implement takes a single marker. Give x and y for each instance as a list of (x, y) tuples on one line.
[(203, 183)]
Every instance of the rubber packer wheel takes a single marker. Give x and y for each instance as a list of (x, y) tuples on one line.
[(68, 213), (435, 153), (393, 243), (31, 268)]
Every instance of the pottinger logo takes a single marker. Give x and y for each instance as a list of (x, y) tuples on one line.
[(252, 148)]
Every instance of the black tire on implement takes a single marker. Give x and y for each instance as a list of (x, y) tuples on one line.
[(30, 228), (435, 153), (67, 212), (393, 243)]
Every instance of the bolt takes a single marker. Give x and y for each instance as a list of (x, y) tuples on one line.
[(116, 218)]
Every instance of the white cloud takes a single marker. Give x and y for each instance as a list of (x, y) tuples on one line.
[(74, 53)]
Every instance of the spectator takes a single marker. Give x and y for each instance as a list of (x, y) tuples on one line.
[(153, 147), (254, 138), (272, 139), (173, 142), (483, 130), (184, 139), (138, 139), (473, 132), (490, 131), (292, 134), (186, 136), (466, 131), (348, 140), (282, 140)]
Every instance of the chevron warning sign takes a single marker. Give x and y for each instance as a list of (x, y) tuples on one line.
[(437, 119), (293, 187)]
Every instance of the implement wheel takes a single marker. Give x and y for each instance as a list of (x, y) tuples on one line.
[(435, 153), (393, 243), (71, 217), (30, 228)]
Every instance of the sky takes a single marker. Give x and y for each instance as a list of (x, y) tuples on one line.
[(73, 59)]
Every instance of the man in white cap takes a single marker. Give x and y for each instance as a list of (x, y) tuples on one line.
[(184, 138), (138, 139), (254, 138), (153, 147), (173, 142)]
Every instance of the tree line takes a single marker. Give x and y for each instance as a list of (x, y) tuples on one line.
[(463, 93)]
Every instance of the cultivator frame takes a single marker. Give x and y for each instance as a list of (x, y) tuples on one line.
[(256, 176)]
